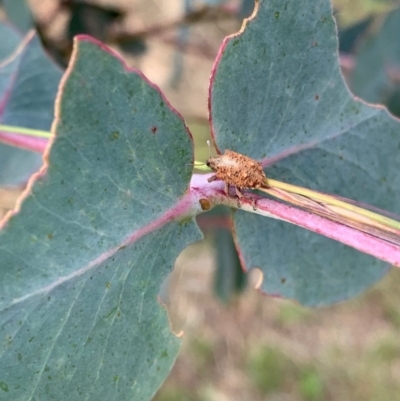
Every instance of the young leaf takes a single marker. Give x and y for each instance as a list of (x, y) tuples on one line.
[(82, 262), (277, 94)]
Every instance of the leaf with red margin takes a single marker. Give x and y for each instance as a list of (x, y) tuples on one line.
[(277, 94), (28, 87), (100, 228)]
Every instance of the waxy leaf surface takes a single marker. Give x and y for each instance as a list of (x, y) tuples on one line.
[(376, 77), (277, 95), (19, 14), (82, 262), (28, 87), (10, 40)]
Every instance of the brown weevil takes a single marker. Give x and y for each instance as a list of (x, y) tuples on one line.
[(238, 171)]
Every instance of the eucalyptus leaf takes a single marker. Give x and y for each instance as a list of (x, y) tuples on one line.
[(277, 94), (82, 262)]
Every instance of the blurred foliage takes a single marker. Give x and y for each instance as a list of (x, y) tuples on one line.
[(352, 11), (349, 36), (19, 14), (270, 369), (90, 19), (376, 76), (292, 313), (230, 279), (248, 352), (96, 20), (311, 385)]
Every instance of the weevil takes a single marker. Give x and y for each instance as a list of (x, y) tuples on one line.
[(238, 171)]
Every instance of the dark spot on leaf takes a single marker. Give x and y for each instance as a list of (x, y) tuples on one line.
[(154, 129), (283, 280), (31, 339), (50, 236), (114, 135), (277, 15), (316, 97), (4, 387)]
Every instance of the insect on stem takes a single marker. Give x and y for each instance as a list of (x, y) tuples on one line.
[(238, 171)]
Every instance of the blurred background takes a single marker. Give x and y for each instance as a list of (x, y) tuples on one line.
[(238, 344)]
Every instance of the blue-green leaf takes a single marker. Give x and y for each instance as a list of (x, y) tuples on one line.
[(277, 94), (82, 262)]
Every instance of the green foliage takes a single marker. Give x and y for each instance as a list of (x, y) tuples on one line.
[(202, 351), (311, 385), (270, 369), (291, 313)]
